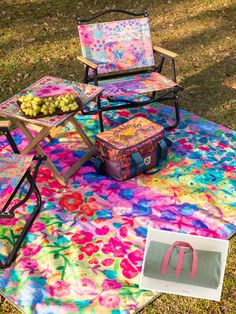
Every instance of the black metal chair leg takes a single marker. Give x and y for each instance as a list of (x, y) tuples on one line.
[(85, 78), (153, 95), (177, 114), (100, 114), (10, 140)]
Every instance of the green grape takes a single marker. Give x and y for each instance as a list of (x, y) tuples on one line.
[(32, 105), (30, 96)]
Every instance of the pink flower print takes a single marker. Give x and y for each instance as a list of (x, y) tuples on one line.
[(93, 261), (109, 300), (60, 289), (54, 184), (37, 226), (85, 286), (31, 249), (80, 257), (111, 285), (82, 237), (229, 168), (89, 249), (182, 141), (8, 222), (86, 36), (46, 191), (44, 175), (188, 147), (151, 110), (102, 231), (6, 192), (52, 90), (206, 149), (28, 263), (136, 258), (125, 114), (128, 269), (116, 247), (107, 262), (123, 231)]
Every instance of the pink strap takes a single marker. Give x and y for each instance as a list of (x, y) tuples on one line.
[(167, 256), (180, 262)]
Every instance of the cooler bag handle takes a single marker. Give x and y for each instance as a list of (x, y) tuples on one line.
[(163, 146), (98, 165), (167, 256), (139, 161)]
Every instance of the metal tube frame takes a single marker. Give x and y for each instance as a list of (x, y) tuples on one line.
[(135, 104), (9, 213), (93, 17)]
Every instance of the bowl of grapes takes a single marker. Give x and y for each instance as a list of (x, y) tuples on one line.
[(36, 107)]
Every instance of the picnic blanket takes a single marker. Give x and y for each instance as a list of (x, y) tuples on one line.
[(84, 252)]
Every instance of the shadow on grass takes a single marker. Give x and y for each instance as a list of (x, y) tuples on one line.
[(211, 96)]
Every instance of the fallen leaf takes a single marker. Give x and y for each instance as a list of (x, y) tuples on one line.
[(46, 59), (30, 40), (230, 82)]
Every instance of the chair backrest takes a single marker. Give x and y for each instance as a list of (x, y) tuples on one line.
[(117, 45)]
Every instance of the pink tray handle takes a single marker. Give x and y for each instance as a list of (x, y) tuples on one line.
[(167, 256)]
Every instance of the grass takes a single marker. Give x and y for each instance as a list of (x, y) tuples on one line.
[(39, 37)]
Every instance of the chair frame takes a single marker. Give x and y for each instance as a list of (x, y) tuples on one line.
[(164, 54), (7, 213)]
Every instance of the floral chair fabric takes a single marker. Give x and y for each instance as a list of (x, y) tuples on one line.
[(136, 84), (126, 44)]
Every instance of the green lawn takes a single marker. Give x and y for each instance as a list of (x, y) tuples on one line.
[(39, 37)]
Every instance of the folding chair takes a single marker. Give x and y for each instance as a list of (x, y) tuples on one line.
[(14, 171), (118, 56)]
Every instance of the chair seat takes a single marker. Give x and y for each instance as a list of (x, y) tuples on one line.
[(136, 84), (12, 169)]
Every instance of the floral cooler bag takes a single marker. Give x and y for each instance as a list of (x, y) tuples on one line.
[(131, 148)]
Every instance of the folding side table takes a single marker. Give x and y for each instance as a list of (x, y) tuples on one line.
[(47, 127)]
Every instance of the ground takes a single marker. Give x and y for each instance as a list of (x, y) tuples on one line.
[(39, 37)]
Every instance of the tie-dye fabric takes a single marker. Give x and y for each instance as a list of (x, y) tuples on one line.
[(118, 45), (136, 84), (12, 168), (84, 252), (49, 86)]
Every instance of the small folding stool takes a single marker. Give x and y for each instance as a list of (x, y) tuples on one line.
[(14, 172)]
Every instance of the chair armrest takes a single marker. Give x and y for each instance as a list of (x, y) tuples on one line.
[(5, 124), (164, 52), (87, 62)]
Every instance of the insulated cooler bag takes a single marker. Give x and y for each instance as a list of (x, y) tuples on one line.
[(131, 148), (181, 263)]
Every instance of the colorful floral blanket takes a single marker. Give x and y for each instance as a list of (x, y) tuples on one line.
[(84, 252)]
